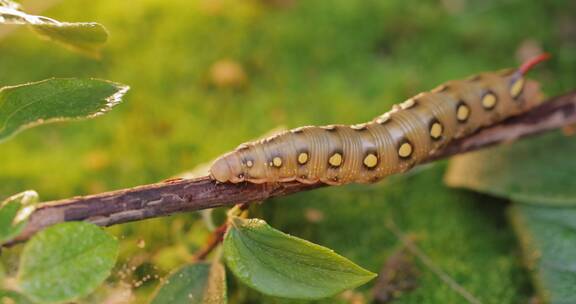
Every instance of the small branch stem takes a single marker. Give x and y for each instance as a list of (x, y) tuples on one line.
[(216, 238), (213, 241), (176, 196)]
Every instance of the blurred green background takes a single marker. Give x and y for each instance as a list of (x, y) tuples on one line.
[(207, 75)]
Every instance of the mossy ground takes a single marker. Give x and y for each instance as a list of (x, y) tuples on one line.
[(305, 62)]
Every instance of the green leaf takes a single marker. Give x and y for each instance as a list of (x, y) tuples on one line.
[(548, 237), (66, 261), (56, 99), (538, 171), (8, 296), (86, 37), (282, 265), (14, 212), (195, 283)]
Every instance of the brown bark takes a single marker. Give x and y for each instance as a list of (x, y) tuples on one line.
[(170, 197)]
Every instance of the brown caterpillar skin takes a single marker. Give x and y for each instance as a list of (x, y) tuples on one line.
[(391, 143)]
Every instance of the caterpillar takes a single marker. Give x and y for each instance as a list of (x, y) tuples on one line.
[(391, 143)]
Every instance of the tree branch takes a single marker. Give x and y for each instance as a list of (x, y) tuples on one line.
[(170, 197)]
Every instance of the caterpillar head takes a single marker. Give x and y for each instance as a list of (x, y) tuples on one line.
[(238, 166), (227, 168)]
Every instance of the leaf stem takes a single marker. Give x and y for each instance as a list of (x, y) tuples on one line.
[(217, 235), (213, 241)]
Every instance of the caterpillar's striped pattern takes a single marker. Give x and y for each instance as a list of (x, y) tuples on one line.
[(391, 143)]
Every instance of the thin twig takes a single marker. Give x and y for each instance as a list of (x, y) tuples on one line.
[(176, 196), (415, 250), (213, 241), (216, 238)]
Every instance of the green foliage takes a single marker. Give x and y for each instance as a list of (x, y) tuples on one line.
[(86, 37), (282, 265), (31, 104), (14, 213), (9, 296), (538, 174), (194, 284), (538, 171), (548, 237), (66, 261)]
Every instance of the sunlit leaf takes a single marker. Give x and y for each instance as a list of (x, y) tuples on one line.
[(14, 213), (539, 170), (548, 236), (36, 103), (9, 4), (282, 265), (86, 37), (66, 261), (196, 283)]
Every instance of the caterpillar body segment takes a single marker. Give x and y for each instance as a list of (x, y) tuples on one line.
[(391, 143)]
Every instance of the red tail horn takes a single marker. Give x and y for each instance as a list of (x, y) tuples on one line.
[(530, 63)]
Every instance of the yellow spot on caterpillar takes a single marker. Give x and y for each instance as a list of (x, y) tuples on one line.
[(361, 126), (489, 101), (436, 130), (516, 87), (335, 160), (370, 160), (405, 150), (463, 112), (302, 158), (277, 161), (249, 163)]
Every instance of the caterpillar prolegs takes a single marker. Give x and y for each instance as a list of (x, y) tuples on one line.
[(390, 143)]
